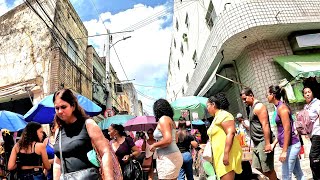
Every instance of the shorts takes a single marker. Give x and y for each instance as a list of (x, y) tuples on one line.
[(261, 160)]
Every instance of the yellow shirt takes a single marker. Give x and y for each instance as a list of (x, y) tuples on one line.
[(217, 138)]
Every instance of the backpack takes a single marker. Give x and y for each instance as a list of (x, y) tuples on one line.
[(304, 124)]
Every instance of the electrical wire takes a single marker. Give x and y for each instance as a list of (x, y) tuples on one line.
[(157, 15), (160, 87), (120, 63)]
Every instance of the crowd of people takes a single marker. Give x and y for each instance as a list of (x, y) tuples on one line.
[(166, 151)]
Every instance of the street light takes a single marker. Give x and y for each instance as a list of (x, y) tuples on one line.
[(124, 38), (108, 82), (126, 80)]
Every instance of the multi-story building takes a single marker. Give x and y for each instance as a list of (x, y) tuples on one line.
[(189, 35), (133, 98), (246, 39), (42, 48), (99, 89), (140, 108)]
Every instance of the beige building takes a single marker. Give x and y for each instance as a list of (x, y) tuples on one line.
[(37, 58)]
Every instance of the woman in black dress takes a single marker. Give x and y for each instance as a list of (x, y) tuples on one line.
[(79, 134)]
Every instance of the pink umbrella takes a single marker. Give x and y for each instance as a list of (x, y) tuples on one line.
[(141, 123)]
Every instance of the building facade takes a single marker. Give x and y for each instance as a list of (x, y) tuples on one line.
[(39, 56), (133, 98), (189, 35), (246, 36)]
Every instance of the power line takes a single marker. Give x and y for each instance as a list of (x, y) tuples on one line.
[(156, 16), (146, 96), (120, 62), (94, 6), (160, 87), (53, 34), (119, 32), (57, 30)]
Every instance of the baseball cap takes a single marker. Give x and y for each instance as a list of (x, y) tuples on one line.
[(239, 115)]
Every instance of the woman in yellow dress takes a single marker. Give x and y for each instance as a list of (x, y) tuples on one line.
[(226, 149)]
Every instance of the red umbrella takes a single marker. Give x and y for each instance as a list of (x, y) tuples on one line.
[(141, 123)]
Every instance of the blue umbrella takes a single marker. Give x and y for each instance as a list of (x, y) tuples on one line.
[(197, 122), (11, 121), (44, 112), (117, 119)]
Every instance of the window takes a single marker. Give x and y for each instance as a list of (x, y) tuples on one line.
[(187, 78), (71, 49), (185, 37), (182, 91), (177, 25), (195, 58), (178, 65), (210, 16), (187, 20), (174, 43), (181, 49), (96, 75)]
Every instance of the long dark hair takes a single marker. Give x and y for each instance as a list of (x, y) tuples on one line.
[(29, 135), (182, 132), (279, 93), (162, 108), (67, 96), (119, 128)]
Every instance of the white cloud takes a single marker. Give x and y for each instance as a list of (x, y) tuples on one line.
[(4, 7), (144, 56)]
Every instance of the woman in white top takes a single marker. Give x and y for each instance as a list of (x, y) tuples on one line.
[(169, 160), (149, 153), (313, 108)]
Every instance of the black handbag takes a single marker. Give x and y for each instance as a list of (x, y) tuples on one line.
[(84, 174), (132, 170)]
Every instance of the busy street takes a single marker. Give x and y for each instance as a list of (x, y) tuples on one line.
[(159, 89)]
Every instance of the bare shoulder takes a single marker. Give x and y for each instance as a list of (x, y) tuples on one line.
[(259, 108), (165, 119), (90, 121), (40, 145)]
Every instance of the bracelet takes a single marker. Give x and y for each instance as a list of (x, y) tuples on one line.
[(130, 155)]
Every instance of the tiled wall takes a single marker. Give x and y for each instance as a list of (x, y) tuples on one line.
[(247, 15), (231, 92), (258, 70)]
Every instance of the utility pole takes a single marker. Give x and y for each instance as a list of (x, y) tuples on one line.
[(108, 46), (108, 71)]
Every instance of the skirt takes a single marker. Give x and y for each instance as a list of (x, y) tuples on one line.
[(169, 165)]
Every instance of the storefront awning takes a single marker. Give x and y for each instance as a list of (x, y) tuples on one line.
[(212, 79), (301, 66)]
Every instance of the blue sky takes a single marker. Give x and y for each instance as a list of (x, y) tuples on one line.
[(145, 55), (114, 6), (148, 69)]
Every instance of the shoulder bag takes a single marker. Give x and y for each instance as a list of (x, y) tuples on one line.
[(84, 174)]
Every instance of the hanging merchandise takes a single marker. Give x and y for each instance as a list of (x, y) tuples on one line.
[(297, 89), (289, 90)]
